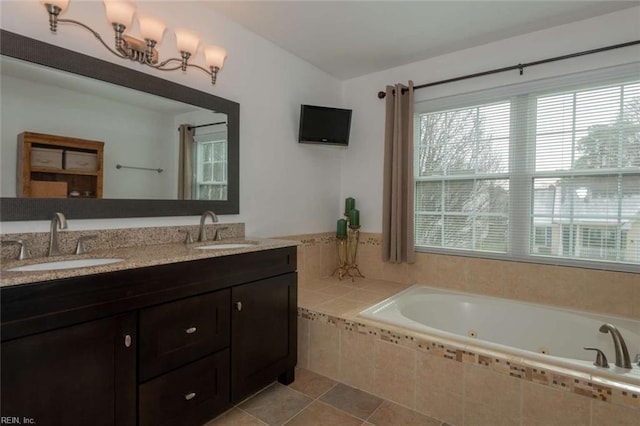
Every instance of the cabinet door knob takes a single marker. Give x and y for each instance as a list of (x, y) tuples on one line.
[(190, 396), (190, 330), (238, 306), (127, 340)]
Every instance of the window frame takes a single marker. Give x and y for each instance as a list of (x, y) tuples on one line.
[(199, 163), (521, 175)]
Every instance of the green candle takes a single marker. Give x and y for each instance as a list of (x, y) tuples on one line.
[(342, 228), (354, 218), (349, 204)]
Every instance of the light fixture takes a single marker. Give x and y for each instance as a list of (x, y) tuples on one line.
[(120, 15)]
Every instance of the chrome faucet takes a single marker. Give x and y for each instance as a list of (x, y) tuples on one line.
[(60, 221), (622, 354), (203, 231)]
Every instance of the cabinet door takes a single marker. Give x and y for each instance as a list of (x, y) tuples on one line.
[(263, 333), (79, 375)]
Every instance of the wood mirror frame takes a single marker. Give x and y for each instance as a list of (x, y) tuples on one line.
[(35, 51)]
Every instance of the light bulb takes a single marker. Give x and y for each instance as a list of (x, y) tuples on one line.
[(62, 4), (214, 56), (151, 28), (187, 41), (119, 12)]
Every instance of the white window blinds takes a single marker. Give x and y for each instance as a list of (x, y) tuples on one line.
[(534, 175), (587, 172), (462, 182)]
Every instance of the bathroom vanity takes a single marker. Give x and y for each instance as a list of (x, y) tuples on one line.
[(166, 344)]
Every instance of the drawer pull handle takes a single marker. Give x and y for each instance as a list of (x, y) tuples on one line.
[(127, 341), (238, 306), (190, 330), (190, 396)]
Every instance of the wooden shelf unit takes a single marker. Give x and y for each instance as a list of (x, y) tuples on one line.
[(83, 181)]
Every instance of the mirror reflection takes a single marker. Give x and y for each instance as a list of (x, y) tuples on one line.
[(154, 147)]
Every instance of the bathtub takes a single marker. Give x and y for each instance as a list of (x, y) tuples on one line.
[(533, 334)]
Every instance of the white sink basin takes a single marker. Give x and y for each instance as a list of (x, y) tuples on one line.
[(225, 246), (64, 264)]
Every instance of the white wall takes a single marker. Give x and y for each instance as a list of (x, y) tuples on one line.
[(362, 164), (132, 136), (285, 188)]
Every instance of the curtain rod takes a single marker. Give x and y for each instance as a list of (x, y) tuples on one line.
[(206, 125), (521, 67)]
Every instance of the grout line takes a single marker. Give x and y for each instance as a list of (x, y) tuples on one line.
[(312, 399), (251, 415), (376, 410), (521, 402), (342, 411), (329, 390)]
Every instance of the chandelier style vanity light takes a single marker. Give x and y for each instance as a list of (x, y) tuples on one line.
[(120, 15)]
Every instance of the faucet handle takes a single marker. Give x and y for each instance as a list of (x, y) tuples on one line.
[(601, 359), (188, 238), (24, 249), (217, 236), (80, 248)]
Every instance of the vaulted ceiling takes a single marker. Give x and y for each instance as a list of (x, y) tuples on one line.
[(353, 38)]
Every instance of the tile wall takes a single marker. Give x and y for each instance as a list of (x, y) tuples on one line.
[(454, 385), (464, 388), (616, 293)]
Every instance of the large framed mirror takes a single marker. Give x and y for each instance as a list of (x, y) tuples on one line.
[(138, 122)]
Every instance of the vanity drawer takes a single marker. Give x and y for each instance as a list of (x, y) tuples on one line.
[(190, 395), (47, 158), (83, 161), (176, 333)]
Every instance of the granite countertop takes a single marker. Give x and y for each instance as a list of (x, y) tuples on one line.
[(133, 257)]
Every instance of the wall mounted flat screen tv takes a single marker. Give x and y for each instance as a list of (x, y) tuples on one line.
[(324, 125)]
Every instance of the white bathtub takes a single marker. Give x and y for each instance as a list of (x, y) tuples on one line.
[(533, 333)]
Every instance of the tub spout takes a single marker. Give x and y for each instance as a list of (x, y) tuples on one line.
[(622, 353)]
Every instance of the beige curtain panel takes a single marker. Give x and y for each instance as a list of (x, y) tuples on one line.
[(185, 160), (397, 213)]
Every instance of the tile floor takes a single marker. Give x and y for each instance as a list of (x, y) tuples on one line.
[(315, 400)]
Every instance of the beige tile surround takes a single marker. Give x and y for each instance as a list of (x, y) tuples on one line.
[(440, 381), (446, 383), (609, 292)]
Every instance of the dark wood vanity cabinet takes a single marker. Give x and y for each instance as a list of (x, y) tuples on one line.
[(184, 360), (165, 345), (263, 334), (78, 375)]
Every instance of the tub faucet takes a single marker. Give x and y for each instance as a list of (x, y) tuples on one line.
[(203, 231), (60, 221), (622, 354)]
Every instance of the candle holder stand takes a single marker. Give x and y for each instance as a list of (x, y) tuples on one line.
[(353, 237), (348, 254), (342, 269)]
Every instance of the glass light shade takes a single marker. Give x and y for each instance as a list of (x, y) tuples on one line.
[(214, 56), (151, 28), (187, 41), (62, 4), (119, 12)]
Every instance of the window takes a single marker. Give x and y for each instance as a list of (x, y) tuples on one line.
[(542, 239), (601, 243), (462, 185), (211, 170), (554, 174)]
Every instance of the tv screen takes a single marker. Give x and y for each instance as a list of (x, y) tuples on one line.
[(324, 125)]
